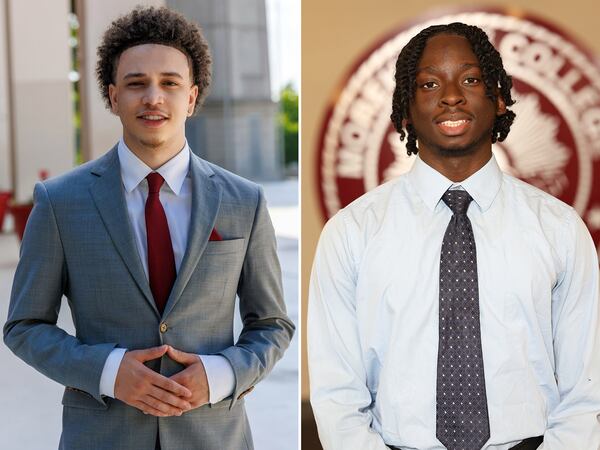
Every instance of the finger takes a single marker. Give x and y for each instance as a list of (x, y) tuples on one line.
[(169, 385), (147, 409), (167, 397), (149, 354), (163, 407), (179, 378), (182, 357)]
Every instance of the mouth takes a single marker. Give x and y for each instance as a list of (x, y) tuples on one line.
[(152, 120), (454, 127)]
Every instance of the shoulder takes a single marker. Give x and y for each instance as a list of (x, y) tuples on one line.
[(534, 209), (368, 211), (234, 187), (559, 224), (537, 201), (358, 222), (76, 182)]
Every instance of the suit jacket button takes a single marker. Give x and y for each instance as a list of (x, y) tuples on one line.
[(163, 327)]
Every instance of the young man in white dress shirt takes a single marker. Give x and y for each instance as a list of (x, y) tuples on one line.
[(151, 245), (455, 307)]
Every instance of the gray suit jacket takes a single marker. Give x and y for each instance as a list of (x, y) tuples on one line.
[(79, 243)]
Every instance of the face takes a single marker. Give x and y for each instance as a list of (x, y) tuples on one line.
[(450, 112), (153, 95)]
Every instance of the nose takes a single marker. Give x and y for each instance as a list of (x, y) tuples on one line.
[(153, 95), (452, 95)]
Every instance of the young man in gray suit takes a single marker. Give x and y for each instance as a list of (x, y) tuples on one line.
[(150, 244)]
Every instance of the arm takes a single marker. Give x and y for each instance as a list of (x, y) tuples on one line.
[(339, 395), (219, 376), (31, 333), (39, 283), (267, 330), (573, 422)]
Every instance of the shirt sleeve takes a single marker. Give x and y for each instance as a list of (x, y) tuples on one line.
[(109, 372), (221, 379), (573, 421), (339, 395)]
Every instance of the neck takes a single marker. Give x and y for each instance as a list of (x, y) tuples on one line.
[(455, 168), (151, 154)]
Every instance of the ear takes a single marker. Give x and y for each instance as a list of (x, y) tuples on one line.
[(112, 95), (192, 100), (405, 122), (500, 106)]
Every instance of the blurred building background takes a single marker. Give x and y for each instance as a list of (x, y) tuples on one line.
[(339, 36), (52, 116)]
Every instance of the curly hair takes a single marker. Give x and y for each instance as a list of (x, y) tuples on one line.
[(149, 25), (496, 80)]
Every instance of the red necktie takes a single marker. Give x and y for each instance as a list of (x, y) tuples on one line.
[(161, 261)]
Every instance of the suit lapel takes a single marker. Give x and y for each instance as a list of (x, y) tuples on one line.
[(107, 193), (206, 198)]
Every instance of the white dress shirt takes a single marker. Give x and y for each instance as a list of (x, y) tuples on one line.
[(373, 315), (176, 198)]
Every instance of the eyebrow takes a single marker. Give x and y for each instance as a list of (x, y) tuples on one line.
[(464, 66), (140, 74)]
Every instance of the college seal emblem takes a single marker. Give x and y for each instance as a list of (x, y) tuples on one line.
[(554, 143)]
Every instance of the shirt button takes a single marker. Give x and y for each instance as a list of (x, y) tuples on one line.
[(163, 327)]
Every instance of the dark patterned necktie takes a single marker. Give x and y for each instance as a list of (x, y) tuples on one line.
[(462, 416), (161, 261)]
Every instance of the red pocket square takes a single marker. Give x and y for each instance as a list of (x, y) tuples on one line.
[(214, 236)]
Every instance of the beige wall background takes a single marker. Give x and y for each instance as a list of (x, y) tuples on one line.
[(36, 112), (335, 33)]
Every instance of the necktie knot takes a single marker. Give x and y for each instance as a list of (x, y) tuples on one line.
[(155, 181), (457, 200)]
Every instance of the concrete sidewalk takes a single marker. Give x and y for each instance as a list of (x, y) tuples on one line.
[(31, 412)]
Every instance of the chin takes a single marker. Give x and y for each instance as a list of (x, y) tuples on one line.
[(465, 148), (152, 143), (459, 150)]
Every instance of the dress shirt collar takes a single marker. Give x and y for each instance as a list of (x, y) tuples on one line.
[(483, 185), (134, 170)]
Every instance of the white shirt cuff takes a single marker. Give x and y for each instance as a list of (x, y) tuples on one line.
[(221, 379), (109, 373)]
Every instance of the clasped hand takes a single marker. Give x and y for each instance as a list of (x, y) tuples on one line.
[(153, 393)]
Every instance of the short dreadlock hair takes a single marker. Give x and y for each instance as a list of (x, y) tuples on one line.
[(496, 80), (149, 25)]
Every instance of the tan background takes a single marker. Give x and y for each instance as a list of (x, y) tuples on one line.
[(336, 32)]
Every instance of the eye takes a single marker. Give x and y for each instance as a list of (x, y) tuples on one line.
[(428, 85), (135, 83), (170, 83), (472, 81)]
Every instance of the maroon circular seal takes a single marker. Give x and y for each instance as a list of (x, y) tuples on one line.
[(553, 144)]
